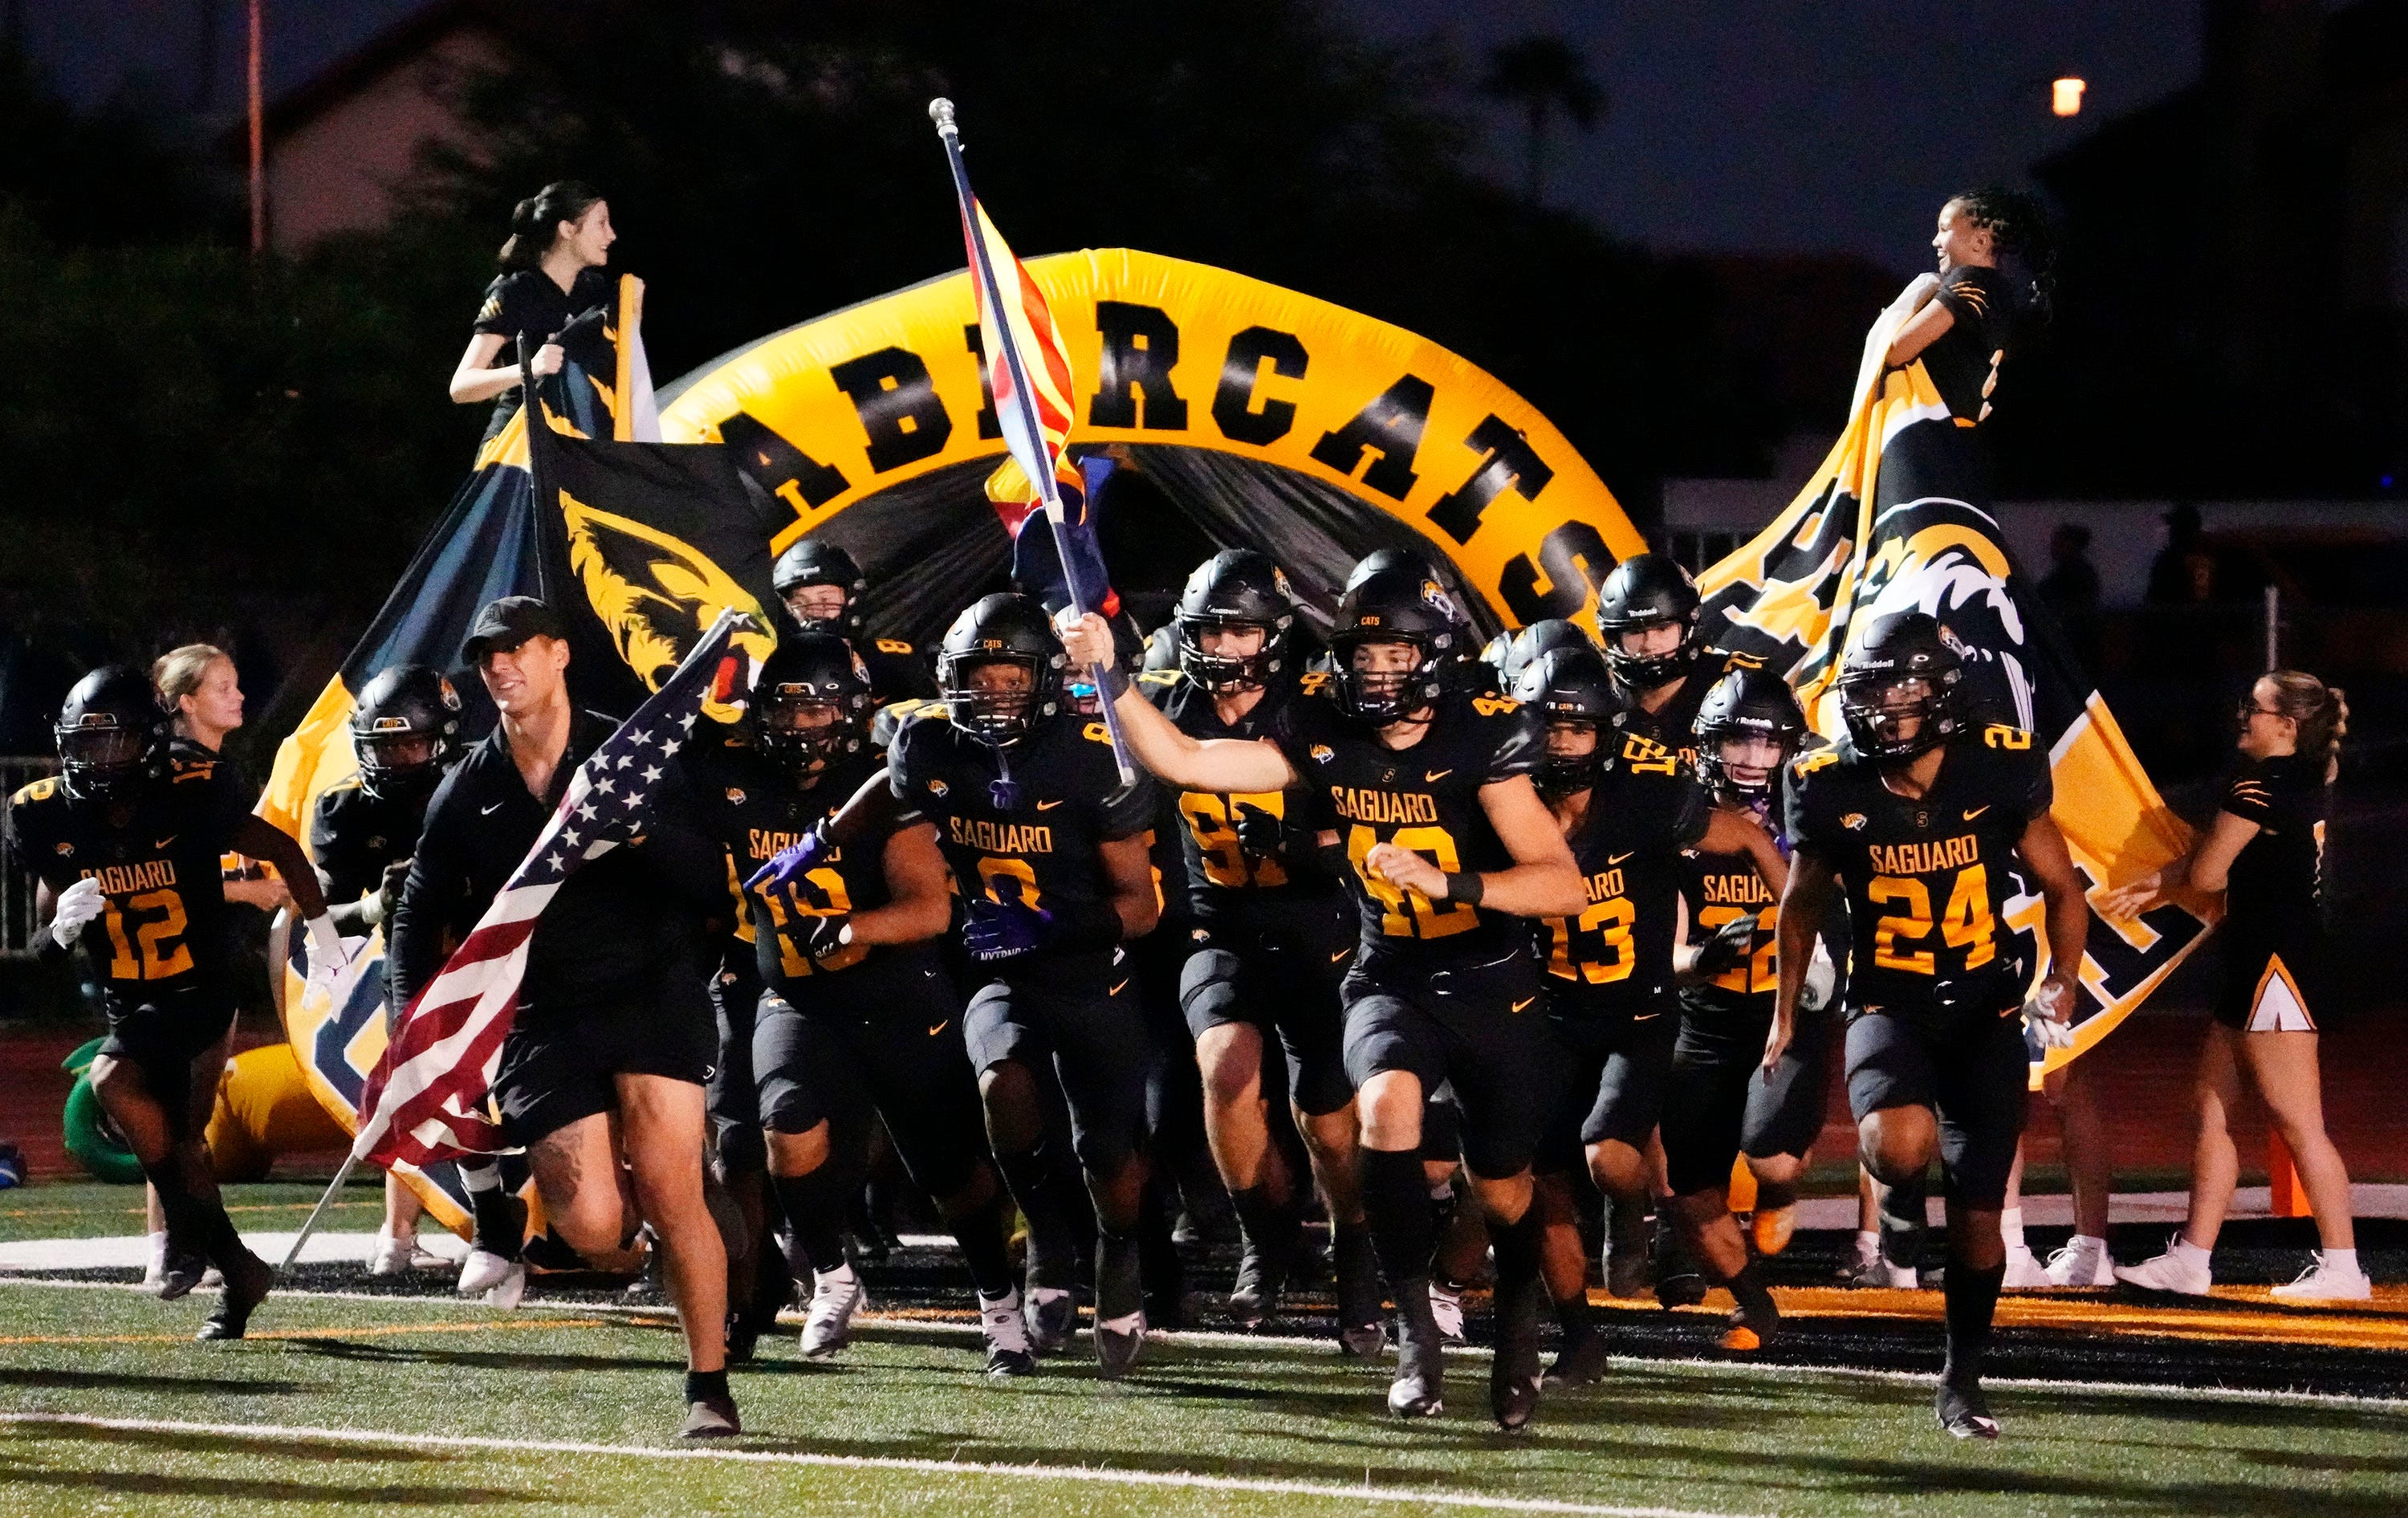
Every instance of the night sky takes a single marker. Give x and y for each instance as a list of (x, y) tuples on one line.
[(1774, 125)]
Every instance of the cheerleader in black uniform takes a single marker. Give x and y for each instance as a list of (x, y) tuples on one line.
[(2265, 851), (551, 269)]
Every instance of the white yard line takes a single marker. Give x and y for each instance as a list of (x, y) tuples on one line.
[(871, 1323), (1098, 1475)]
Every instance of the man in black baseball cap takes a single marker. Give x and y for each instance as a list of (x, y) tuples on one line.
[(509, 621)]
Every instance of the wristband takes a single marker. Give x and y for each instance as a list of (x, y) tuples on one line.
[(49, 950), (1465, 888), (1113, 683)]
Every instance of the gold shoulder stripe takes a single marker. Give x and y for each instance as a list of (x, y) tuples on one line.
[(1806, 763)]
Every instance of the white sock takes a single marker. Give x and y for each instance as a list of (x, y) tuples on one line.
[(2094, 1244), (2011, 1227), (481, 1177), (2341, 1261), (1868, 1244), (842, 1273), (2190, 1254)]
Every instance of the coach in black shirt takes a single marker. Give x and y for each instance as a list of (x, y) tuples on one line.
[(613, 1015)]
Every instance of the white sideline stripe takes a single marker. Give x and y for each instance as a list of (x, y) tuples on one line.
[(871, 1325), (861, 1462)]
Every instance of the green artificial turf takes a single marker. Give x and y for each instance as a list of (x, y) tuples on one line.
[(94, 1209), (1714, 1438)]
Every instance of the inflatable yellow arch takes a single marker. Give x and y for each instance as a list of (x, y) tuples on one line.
[(837, 411)]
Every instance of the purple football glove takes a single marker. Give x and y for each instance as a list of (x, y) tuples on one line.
[(1004, 930), (791, 862)]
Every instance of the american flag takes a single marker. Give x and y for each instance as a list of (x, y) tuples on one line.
[(426, 1101)]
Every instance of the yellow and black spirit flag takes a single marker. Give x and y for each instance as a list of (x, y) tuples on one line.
[(1897, 519)]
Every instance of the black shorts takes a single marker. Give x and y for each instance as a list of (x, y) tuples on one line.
[(161, 1039), (1721, 1103), (1478, 1026), (1077, 1016), (1969, 1067), (562, 1057), (735, 1111), (1283, 982), (1613, 1072), (2271, 987), (885, 1035)]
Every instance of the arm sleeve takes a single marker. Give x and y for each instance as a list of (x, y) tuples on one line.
[(497, 316), (437, 878), (2035, 788), (1686, 812), (338, 867), (1522, 742), (2249, 795)]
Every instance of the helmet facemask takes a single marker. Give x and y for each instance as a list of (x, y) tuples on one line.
[(1568, 766), (1401, 691), (1645, 671), (1224, 674), (1893, 715), (399, 763), (100, 759), (1747, 778), (994, 710)]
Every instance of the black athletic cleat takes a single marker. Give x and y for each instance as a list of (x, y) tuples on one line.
[(1581, 1362), (246, 1285), (1052, 1313), (1361, 1320), (1119, 1305), (1964, 1412), (1419, 1389), (1514, 1375), (743, 1337), (1626, 1249), (1255, 1298), (1751, 1324), (1902, 1231), (181, 1273), (712, 1417), (1679, 1283)]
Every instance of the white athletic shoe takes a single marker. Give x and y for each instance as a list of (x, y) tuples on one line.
[(482, 1271), (2168, 1272), (2024, 1270), (2322, 1283), (1871, 1271), (2081, 1262), (1446, 1305), (391, 1256), (156, 1272), (1007, 1353), (836, 1295)]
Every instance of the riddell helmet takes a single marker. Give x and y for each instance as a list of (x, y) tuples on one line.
[(1523, 649), (1237, 587), (1570, 685), (1394, 605), (108, 733), (1002, 628), (1381, 560), (811, 562), (1644, 591), (406, 732), (1894, 650), (806, 673), (1746, 703)]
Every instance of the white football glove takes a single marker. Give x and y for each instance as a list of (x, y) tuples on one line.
[(1822, 980), (2040, 1015), (326, 954), (79, 904)]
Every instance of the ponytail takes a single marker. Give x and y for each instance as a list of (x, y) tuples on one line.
[(2019, 228), (535, 222), (2322, 712)]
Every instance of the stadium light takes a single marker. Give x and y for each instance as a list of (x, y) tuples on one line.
[(2065, 96)]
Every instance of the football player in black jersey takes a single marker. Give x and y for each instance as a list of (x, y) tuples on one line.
[(1647, 624), (1049, 851), (823, 588), (857, 1012), (1923, 816), (1272, 936), (1627, 807), (405, 733), (124, 844), (2266, 853), (1722, 1099), (1448, 845)]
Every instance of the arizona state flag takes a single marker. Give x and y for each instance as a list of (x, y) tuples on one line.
[(1897, 520), (639, 545)]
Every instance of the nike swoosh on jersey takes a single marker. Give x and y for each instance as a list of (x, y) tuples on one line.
[(1116, 990), (941, 1027), (163, 842), (1435, 776), (1618, 859), (1519, 1005), (1971, 812), (1340, 955), (1047, 805), (488, 812), (1642, 1017)]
